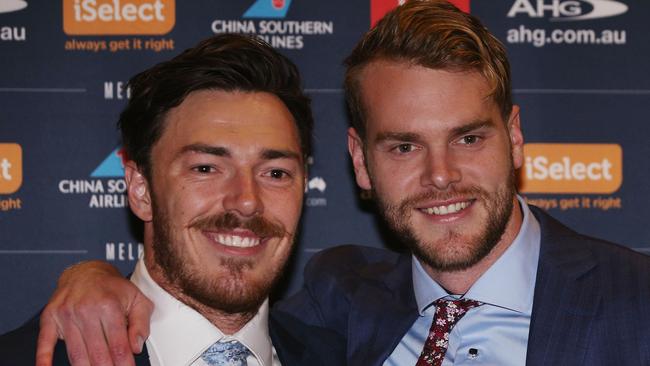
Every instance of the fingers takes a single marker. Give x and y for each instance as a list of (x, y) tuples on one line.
[(139, 318), (96, 335), (88, 322), (116, 336), (89, 317), (47, 339), (75, 346)]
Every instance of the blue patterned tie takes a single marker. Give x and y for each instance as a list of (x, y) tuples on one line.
[(231, 353)]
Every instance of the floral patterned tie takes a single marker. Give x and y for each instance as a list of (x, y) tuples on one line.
[(448, 312), (231, 353)]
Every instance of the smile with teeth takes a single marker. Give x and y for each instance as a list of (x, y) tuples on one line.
[(237, 241), (447, 209)]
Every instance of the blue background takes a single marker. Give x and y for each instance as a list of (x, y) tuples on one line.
[(52, 103)]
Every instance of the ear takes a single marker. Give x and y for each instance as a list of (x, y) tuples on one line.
[(138, 191), (516, 137), (355, 147)]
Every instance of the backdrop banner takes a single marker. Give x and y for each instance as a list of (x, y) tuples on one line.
[(579, 71)]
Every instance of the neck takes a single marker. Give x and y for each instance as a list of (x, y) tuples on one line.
[(227, 322), (460, 281)]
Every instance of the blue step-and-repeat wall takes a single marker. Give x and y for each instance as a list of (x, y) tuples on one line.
[(580, 75)]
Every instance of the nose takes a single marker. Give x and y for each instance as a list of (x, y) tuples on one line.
[(243, 195), (441, 170)]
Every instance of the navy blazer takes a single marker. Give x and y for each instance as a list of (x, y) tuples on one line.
[(295, 342), (591, 303)]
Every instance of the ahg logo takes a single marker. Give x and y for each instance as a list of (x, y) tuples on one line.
[(567, 10), (116, 17), (7, 6)]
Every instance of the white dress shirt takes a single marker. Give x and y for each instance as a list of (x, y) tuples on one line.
[(179, 334)]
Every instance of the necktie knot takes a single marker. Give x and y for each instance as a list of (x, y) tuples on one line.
[(230, 353), (453, 310), (448, 313)]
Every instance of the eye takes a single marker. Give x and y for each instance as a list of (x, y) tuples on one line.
[(204, 169), (404, 148), (470, 139), (278, 174)]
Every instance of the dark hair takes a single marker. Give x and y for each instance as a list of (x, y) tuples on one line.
[(433, 34), (224, 62)]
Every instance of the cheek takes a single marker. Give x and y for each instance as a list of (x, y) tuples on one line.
[(192, 201), (398, 178)]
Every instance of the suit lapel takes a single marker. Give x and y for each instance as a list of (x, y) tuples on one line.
[(381, 312), (565, 300), (298, 343)]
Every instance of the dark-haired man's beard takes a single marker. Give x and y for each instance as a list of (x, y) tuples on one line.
[(227, 285), (452, 249)]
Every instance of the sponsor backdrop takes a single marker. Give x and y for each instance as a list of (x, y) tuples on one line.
[(579, 72)]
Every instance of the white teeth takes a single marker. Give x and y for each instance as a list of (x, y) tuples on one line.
[(446, 210), (237, 241)]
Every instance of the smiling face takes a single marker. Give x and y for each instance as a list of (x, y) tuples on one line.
[(222, 207), (440, 160)]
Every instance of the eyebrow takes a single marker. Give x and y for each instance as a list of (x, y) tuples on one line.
[(265, 154), (271, 154), (396, 136), (472, 126), (206, 149), (415, 137)]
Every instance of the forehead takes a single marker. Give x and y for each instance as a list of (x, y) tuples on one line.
[(397, 93), (239, 120)]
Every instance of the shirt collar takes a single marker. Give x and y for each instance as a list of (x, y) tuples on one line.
[(508, 283), (179, 334)]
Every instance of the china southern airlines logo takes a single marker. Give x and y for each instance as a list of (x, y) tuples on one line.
[(7, 6), (111, 166), (567, 10), (268, 9)]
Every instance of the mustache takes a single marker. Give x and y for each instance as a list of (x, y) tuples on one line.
[(226, 221), (416, 199)]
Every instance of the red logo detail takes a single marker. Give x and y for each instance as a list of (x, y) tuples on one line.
[(278, 4), (461, 4), (379, 8), (123, 156)]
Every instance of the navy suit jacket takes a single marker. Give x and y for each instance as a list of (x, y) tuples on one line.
[(295, 342), (591, 303)]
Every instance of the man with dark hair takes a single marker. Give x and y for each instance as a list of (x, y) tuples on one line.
[(488, 280), (216, 141)]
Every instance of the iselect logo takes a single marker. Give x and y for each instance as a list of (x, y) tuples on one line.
[(567, 10), (118, 17), (572, 168), (11, 168)]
